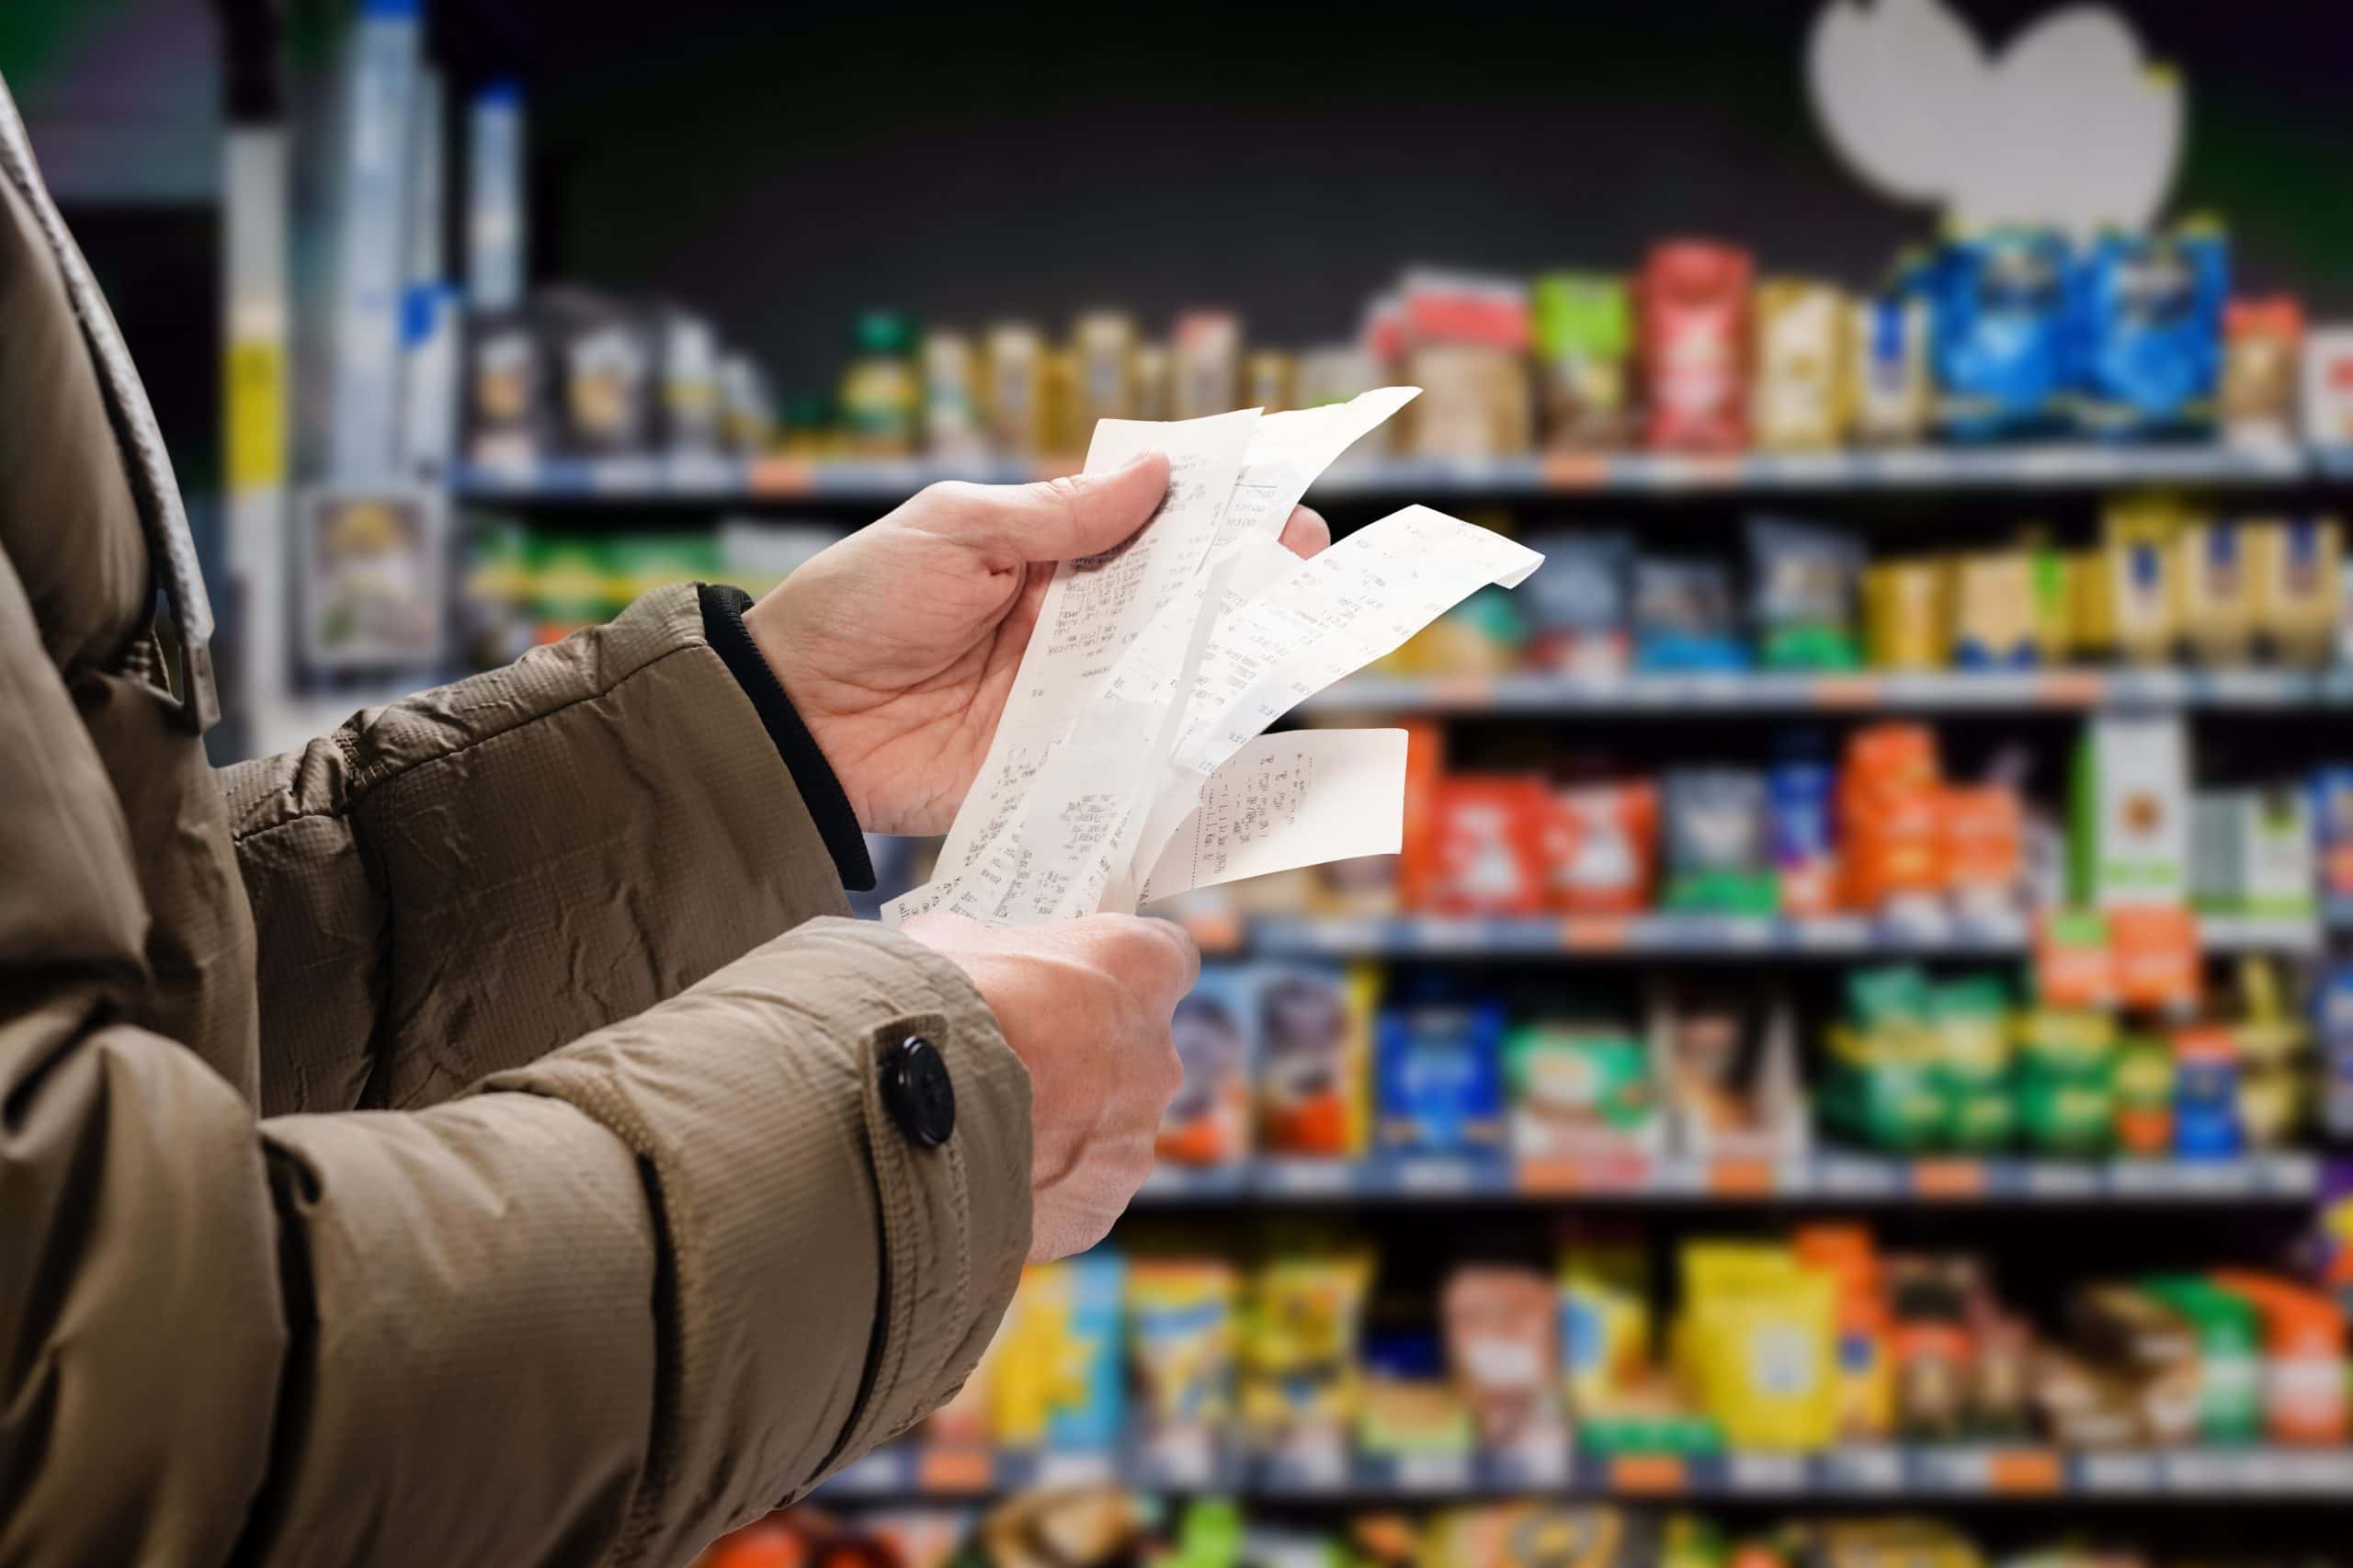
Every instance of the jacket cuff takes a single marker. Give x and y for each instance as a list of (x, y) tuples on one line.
[(723, 627), (830, 1281)]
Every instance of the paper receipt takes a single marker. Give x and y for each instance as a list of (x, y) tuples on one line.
[(1130, 761)]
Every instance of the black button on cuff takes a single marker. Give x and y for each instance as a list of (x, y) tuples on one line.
[(918, 1091)]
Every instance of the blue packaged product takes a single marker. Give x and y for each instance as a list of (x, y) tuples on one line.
[(1799, 797), (1440, 1071), (2333, 1003), (2148, 327), (2333, 829), (2206, 1097), (2000, 335), (1091, 1414)]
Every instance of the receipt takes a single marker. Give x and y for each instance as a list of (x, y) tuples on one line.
[(1284, 801), (1094, 608), (1130, 744)]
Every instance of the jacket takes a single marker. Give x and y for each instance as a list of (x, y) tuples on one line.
[(462, 1141)]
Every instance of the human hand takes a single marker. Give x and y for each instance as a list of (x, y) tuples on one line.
[(898, 645), (1086, 1003)]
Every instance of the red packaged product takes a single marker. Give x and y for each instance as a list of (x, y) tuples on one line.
[(1488, 857), (1693, 314), (1425, 772), (1600, 849)]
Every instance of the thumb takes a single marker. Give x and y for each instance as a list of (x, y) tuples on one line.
[(1056, 519)]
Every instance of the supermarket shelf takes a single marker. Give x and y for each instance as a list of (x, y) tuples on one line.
[(1958, 691), (1888, 1474), (657, 479), (1701, 936), (1832, 1176)]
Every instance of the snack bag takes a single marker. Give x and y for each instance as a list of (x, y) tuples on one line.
[(1314, 1029), (1209, 1123), (2218, 589), (1302, 1326), (1581, 605), (2261, 339), (1181, 1347), (1718, 854), (1798, 391), (2150, 311), (1994, 610), (1693, 312), (2328, 386), (1758, 1338), (1579, 1091), (1487, 835), (1059, 1382), (1599, 848), (2001, 338), (1605, 1322), (1805, 859), (2292, 564), (1583, 336), (1683, 616), (1803, 580), (2140, 581), (1440, 1078), (1542, 1535)]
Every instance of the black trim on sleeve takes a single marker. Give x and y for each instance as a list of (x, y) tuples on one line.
[(722, 625)]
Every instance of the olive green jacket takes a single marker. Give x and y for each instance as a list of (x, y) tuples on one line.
[(458, 1144)]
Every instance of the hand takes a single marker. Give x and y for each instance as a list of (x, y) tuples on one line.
[(1086, 1003), (897, 645)]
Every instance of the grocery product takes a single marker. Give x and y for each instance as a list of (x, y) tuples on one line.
[(2328, 386), (1606, 1335), (1206, 347), (1502, 1355), (1582, 603), (2000, 335), (2261, 340), (510, 388), (1888, 359), (1465, 339), (1692, 315), (1798, 382), (1016, 356), (1405, 1405), (1269, 382), (1864, 1395), (1181, 1347), (951, 396), (2150, 331), (1302, 1326), (1729, 1080), (1440, 1078), (2295, 564), (2131, 811), (2251, 852), (1906, 616), (1800, 796), (1718, 848), (1214, 1030), (1995, 601), (1314, 1025), (2205, 1093), (1540, 1535), (1059, 1378), (2218, 601), (2303, 1357), (2229, 1356), (1155, 371), (2331, 816), (1486, 846), (1598, 848), (1105, 343), (1579, 1090), (1583, 329), (1803, 594), (882, 396), (1683, 616), (1757, 1335)]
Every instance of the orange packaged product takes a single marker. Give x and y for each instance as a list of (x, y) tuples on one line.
[(1487, 855), (1598, 848), (2304, 1396), (1981, 843), (1425, 772)]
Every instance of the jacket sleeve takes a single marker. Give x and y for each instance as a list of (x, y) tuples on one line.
[(600, 1307), (464, 879)]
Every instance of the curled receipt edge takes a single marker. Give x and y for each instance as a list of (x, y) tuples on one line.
[(1131, 763)]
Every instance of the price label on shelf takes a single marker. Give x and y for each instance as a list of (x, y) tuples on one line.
[(2126, 1474), (1846, 1175), (1779, 1474), (2059, 1179), (1062, 1470), (1865, 1468), (1968, 1471), (1433, 1472), (1436, 1176), (1646, 1476)]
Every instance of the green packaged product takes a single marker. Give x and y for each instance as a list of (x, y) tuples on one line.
[(571, 587), (1971, 1021), (636, 564), (2067, 1043), (2066, 1114), (1568, 1081), (1583, 324), (1892, 1100), (2229, 1355), (1983, 1118), (1887, 993)]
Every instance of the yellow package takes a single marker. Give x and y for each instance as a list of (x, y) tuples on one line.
[(1799, 386), (2141, 576), (2218, 590), (1906, 621), (1181, 1343), (1759, 1341), (2295, 566), (1058, 405), (1015, 367), (1605, 1325), (1537, 1535), (1298, 1352), (1994, 608)]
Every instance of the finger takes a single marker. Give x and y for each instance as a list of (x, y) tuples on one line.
[(1176, 947), (1306, 533), (1057, 519)]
